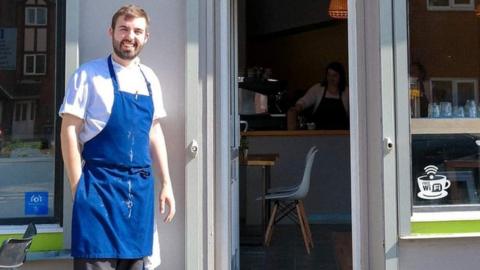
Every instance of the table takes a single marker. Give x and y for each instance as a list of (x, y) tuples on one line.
[(266, 161)]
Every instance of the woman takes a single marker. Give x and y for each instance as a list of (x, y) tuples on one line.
[(328, 101)]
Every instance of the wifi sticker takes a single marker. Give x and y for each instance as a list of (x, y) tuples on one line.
[(432, 185)]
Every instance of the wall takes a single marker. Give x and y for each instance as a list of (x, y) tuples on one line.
[(164, 53), (440, 254)]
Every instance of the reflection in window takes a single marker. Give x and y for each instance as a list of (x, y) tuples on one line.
[(27, 112), (444, 55)]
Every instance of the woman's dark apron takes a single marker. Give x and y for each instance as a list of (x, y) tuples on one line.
[(331, 114), (113, 207)]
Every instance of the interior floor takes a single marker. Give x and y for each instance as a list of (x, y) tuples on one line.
[(332, 250)]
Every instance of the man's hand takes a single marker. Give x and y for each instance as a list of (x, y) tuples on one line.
[(166, 197)]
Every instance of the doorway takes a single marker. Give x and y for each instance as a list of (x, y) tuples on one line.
[(290, 46)]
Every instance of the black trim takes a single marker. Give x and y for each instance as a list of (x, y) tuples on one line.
[(59, 93)]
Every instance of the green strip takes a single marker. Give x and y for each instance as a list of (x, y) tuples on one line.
[(446, 227), (41, 241)]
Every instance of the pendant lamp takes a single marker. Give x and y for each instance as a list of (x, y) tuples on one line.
[(338, 9)]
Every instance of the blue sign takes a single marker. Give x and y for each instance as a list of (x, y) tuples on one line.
[(8, 48), (36, 203)]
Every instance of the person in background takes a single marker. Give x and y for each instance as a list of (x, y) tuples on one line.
[(418, 74), (327, 101), (112, 145)]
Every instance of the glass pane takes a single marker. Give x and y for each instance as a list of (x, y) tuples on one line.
[(24, 111), (444, 56), (438, 3), (442, 91), (27, 161), (29, 62), (30, 16), (40, 64), (462, 2), (41, 16), (465, 92)]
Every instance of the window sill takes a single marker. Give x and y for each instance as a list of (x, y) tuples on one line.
[(20, 229), (445, 216), (49, 255), (440, 236)]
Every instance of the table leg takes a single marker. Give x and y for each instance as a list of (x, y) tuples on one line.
[(264, 192), (267, 187)]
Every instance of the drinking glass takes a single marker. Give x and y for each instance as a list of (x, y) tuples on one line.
[(446, 109)]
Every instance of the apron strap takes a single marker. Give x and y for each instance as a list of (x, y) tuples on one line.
[(115, 81)]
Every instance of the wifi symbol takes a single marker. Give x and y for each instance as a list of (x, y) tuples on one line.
[(431, 169)]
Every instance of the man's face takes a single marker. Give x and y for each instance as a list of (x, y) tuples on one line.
[(129, 37)]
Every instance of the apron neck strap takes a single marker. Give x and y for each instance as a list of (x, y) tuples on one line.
[(112, 74), (114, 77)]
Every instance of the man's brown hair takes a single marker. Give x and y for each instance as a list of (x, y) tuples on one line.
[(130, 12)]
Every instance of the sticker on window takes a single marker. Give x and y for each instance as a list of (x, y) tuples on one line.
[(432, 185), (36, 203)]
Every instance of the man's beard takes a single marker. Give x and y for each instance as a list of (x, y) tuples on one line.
[(126, 55)]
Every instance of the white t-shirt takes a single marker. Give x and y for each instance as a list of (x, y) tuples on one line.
[(89, 94), (314, 96)]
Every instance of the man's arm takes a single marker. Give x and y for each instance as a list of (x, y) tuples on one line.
[(158, 151), (71, 126)]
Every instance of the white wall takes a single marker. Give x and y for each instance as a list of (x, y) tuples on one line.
[(440, 254), (164, 53)]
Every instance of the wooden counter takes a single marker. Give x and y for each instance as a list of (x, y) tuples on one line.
[(296, 133)]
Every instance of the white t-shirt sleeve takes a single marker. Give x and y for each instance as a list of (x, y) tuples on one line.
[(76, 95), (310, 98)]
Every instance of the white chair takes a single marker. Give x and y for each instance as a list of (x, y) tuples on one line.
[(14, 250), (288, 202)]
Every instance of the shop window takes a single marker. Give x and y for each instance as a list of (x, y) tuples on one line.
[(35, 64), (31, 169), (450, 4), (440, 171), (35, 16)]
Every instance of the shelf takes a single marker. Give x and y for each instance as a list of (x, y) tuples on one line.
[(445, 126)]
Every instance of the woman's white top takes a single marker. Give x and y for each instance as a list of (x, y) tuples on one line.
[(89, 94), (314, 95)]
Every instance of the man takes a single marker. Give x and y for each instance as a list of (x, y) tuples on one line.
[(111, 121)]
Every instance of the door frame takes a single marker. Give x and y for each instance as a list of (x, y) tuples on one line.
[(208, 78)]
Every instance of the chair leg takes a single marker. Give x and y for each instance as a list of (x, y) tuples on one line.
[(302, 227), (307, 225), (269, 231)]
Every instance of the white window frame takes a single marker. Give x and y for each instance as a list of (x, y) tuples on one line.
[(35, 55), (455, 82), (452, 6), (35, 21)]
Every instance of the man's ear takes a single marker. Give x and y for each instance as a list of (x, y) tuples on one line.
[(110, 32), (147, 36)]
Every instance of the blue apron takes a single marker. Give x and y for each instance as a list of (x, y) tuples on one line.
[(113, 207)]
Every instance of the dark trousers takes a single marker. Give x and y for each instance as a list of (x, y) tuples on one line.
[(107, 264)]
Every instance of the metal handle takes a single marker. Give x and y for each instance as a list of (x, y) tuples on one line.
[(387, 144), (194, 148)]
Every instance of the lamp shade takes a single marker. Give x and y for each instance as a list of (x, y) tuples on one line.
[(338, 9)]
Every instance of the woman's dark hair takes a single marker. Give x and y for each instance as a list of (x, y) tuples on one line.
[(337, 67)]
